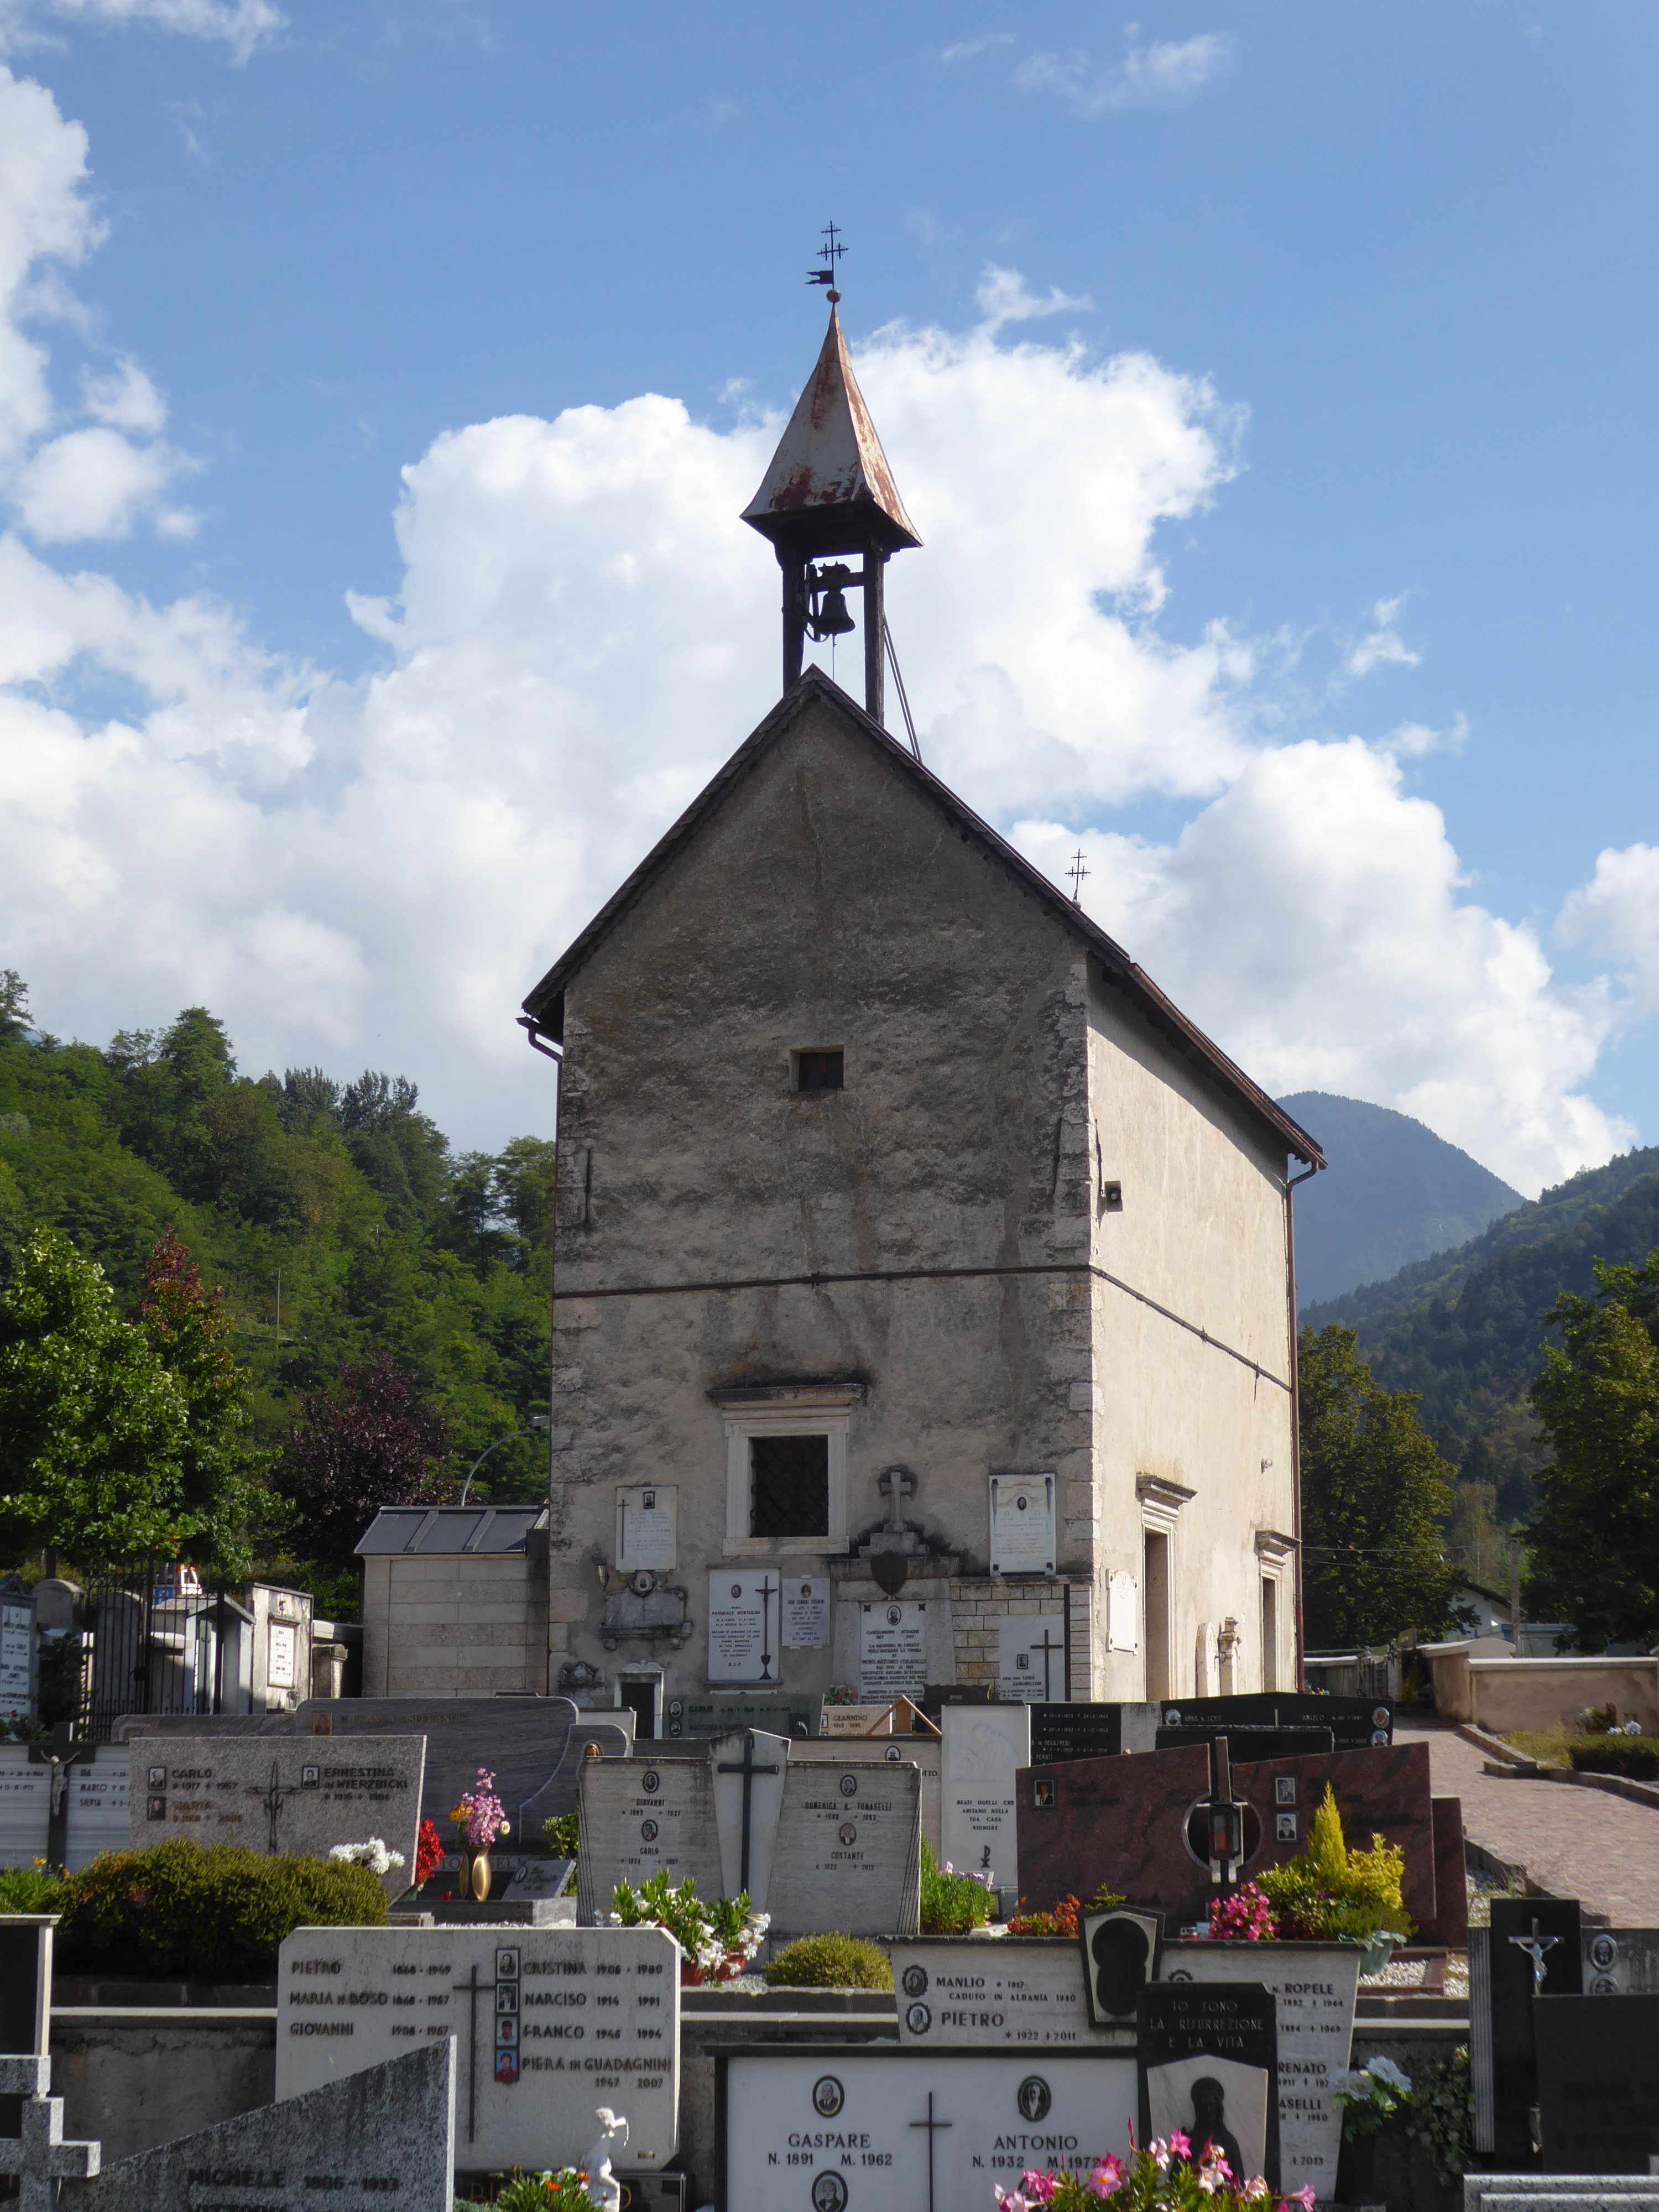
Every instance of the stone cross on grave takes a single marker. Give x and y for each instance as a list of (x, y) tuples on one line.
[(40, 2157), (747, 1768), (932, 2127), (1048, 1648), (899, 1485), (767, 1592), (1536, 1947)]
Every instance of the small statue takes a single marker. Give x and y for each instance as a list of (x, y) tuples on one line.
[(604, 2188)]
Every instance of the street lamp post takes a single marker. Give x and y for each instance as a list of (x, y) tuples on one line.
[(537, 1421)]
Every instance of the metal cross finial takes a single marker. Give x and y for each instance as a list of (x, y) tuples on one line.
[(1076, 871), (831, 255), (1535, 1946)]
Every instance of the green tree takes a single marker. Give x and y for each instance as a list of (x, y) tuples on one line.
[(189, 1329), (92, 1424), (1374, 1490), (1594, 1538)]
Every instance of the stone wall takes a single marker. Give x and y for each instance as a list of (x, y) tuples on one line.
[(130, 2079), (462, 1628)]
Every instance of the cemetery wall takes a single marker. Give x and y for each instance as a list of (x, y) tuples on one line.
[(130, 2079), (463, 1626), (978, 1609), (1538, 1694)]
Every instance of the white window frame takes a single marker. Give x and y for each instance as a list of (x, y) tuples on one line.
[(792, 1411)]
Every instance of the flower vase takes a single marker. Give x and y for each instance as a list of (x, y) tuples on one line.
[(476, 1876)]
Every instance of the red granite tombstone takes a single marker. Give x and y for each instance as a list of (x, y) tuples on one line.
[(1450, 1926)]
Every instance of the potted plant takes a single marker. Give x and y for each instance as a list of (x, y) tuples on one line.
[(717, 1936), (1328, 1893), (479, 1818), (1163, 2177)]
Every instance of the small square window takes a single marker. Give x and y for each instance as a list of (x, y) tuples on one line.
[(789, 1485), (818, 1071)]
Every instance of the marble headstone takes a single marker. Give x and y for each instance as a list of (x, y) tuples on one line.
[(1620, 1961), (1209, 2066), (18, 1661), (1019, 1993), (848, 1850), (548, 2023), (1090, 1731), (1356, 1723), (984, 1748), (383, 2135), (641, 1817), (273, 1794), (1120, 1947), (1598, 2083), (780, 1712), (852, 2128), (748, 1770), (926, 1751)]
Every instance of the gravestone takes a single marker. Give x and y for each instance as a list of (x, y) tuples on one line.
[(1025, 1993), (1356, 1723), (850, 2128), (37, 2155), (1598, 2083), (743, 1625), (848, 1850), (1022, 1524), (1121, 1946), (1031, 1663), (1620, 1961), (926, 1751), (1256, 1743), (892, 1650), (806, 1603), (1092, 1730), (749, 1769), (780, 1712), (1449, 1928), (641, 1817), (25, 1998), (1534, 1943), (548, 2023), (382, 2135), (1314, 1986), (984, 1748), (276, 1795), (17, 1651), (1209, 2066)]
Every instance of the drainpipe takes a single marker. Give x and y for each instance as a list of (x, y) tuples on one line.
[(543, 1044), (1295, 1411)]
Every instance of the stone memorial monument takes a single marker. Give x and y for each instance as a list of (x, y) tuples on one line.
[(1090, 1731), (18, 1668), (1122, 1946), (1598, 2083), (543, 2025), (1534, 1946), (780, 1712), (1208, 2067), (1619, 1961), (924, 1752), (848, 1850), (1024, 1994), (749, 1769), (37, 2156), (382, 2135), (1355, 1723), (984, 1748), (641, 1817)]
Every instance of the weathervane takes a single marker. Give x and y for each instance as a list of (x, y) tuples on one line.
[(1076, 871), (831, 254)]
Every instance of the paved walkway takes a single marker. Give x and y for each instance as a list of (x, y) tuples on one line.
[(1573, 1842)]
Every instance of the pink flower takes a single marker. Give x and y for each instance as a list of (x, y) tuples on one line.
[(1180, 2145), (1107, 2176), (1305, 2197), (1039, 2187)]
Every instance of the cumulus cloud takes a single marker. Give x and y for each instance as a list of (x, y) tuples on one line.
[(1618, 911), (1002, 295), (243, 26), (1161, 73)]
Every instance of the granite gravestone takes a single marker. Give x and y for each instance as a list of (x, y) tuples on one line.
[(1120, 1947), (984, 1748), (1029, 1993), (1620, 1961), (37, 2155), (1208, 2067), (1356, 1723), (1096, 1730), (780, 1712), (926, 1751), (273, 1794), (1532, 1944), (1251, 1743), (1598, 2083), (850, 2128), (17, 1651), (641, 1817), (848, 1850), (384, 2134), (548, 2024), (1449, 1928), (892, 1650), (1314, 1986)]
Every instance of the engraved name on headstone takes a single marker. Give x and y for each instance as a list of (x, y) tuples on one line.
[(848, 1850), (743, 1625), (1598, 2083), (549, 2023), (1031, 1658), (647, 1533), (18, 1661), (892, 1650), (984, 1747), (641, 1817), (805, 1612), (1022, 1524), (719, 1712), (967, 1990)]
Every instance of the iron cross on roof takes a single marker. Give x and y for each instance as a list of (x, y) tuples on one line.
[(1076, 871), (829, 255)]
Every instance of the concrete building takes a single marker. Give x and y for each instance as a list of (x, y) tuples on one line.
[(923, 1303)]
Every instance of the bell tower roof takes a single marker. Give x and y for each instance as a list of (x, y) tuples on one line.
[(829, 488)]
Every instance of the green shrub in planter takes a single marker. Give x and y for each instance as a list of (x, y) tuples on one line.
[(1637, 1756), (830, 1962), (205, 1911), (27, 1889)]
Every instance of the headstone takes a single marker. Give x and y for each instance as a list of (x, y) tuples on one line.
[(1022, 1524), (1091, 1731), (848, 1850), (892, 1650), (99, 1807), (1120, 1947), (984, 1748), (1522, 2192), (781, 1712), (547, 2025), (1251, 1743), (806, 1612), (1021, 1993), (1532, 1944), (749, 1769), (1598, 2083), (24, 1806), (37, 2155), (1620, 1961), (873, 1719), (1208, 2067), (641, 1817), (25, 1998), (279, 1795), (382, 2135), (1314, 1986), (849, 2128), (538, 1880), (17, 1658), (743, 1625), (1031, 1657), (648, 1530), (1356, 1723), (926, 1751), (1449, 1928)]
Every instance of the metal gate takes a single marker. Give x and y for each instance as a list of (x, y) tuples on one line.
[(153, 1640)]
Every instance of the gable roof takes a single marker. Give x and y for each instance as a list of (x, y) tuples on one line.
[(545, 1006)]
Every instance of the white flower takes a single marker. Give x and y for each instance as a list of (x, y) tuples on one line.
[(1384, 2070), (373, 1855)]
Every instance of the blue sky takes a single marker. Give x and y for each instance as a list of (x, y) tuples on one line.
[(1389, 468)]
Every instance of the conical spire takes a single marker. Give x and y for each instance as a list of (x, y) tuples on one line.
[(828, 487)]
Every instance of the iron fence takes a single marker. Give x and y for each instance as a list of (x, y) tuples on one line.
[(154, 1639)]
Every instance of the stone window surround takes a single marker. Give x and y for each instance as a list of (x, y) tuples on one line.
[(1274, 1557), (785, 1409), (1161, 1501)]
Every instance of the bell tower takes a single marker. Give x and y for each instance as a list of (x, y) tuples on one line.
[(827, 497)]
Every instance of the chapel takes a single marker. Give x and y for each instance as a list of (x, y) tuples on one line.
[(924, 1290)]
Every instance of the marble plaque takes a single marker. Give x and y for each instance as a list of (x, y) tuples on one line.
[(1356, 1723), (382, 2135), (1000, 1992), (892, 1650), (1087, 1729), (984, 1748), (548, 2024), (1022, 1524), (748, 1770), (641, 1817), (99, 1809), (647, 1527), (25, 1807), (1314, 1986), (806, 1612), (861, 1720), (743, 1625), (852, 2128), (848, 1852), (1031, 1658), (274, 1795), (1620, 1961), (780, 1713), (1598, 2083), (892, 1750), (16, 1656), (1207, 2051), (1120, 1944)]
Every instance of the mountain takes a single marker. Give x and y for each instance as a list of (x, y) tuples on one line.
[(1394, 1193)]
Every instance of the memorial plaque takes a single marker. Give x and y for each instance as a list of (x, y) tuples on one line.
[(848, 1850), (924, 1752), (806, 1612), (780, 1712), (25, 1807), (1598, 2083), (1031, 1658), (1120, 1946), (984, 1748), (1503, 2068), (383, 2134), (892, 1650), (549, 2023), (860, 1720), (1022, 1524), (647, 1526), (641, 1817), (1001, 1995), (99, 1800), (1356, 1723), (851, 2128), (748, 1770), (275, 1795), (743, 1625), (1207, 2058), (1090, 1731), (1253, 1744), (1620, 1961), (1314, 1986), (17, 1670)]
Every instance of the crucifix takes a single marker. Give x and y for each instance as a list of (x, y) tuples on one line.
[(932, 2127), (38, 2156), (273, 1802), (1536, 1947), (748, 1769), (62, 1750), (899, 1485), (767, 1592), (1048, 1648)]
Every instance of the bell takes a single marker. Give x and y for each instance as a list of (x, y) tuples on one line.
[(833, 619)]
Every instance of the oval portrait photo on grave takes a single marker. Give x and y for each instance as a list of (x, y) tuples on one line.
[(827, 2096), (1034, 2098), (828, 2193)]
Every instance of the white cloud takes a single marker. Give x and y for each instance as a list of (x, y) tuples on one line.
[(1161, 74), (125, 397), (1382, 647), (90, 484), (1003, 296), (968, 50), (243, 25), (1618, 911)]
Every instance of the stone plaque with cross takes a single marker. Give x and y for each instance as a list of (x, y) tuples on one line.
[(750, 1769), (549, 2023), (744, 1624), (1533, 1946), (1031, 1658), (641, 1817), (1022, 1524), (848, 1849), (38, 2156), (844, 2128)]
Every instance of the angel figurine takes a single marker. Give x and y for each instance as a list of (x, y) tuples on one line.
[(604, 2188)]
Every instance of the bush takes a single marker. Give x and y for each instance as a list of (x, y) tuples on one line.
[(1637, 1756), (952, 1903), (209, 1911), (830, 1962), (27, 1889), (1329, 1890)]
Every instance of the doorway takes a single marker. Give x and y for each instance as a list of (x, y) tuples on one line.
[(1155, 1582), (639, 1693), (1269, 1632)]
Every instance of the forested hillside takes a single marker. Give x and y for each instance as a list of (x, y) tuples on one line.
[(335, 1215)]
